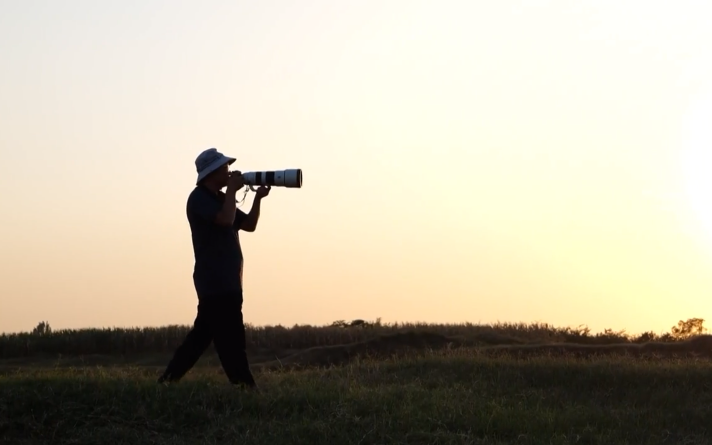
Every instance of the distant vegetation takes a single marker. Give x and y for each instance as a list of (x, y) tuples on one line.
[(43, 340)]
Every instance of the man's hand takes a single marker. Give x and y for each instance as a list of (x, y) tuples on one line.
[(235, 182), (262, 191)]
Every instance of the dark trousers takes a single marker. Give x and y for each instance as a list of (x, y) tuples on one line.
[(219, 320)]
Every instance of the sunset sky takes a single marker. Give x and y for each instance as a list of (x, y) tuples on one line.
[(463, 161)]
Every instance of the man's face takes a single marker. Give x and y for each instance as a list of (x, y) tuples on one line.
[(222, 175)]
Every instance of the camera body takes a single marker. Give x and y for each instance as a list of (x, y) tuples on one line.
[(290, 178)]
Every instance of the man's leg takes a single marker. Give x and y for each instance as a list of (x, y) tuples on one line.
[(229, 341), (188, 353)]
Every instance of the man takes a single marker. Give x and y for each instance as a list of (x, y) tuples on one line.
[(217, 276)]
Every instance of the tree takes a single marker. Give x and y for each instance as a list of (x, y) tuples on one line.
[(43, 328), (689, 328)]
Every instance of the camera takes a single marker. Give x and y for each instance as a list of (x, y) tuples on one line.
[(291, 178)]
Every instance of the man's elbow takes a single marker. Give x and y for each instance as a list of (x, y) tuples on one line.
[(248, 227)]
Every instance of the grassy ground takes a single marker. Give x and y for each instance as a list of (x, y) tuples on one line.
[(444, 397), (382, 384)]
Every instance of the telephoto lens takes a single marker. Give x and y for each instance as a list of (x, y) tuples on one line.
[(291, 178)]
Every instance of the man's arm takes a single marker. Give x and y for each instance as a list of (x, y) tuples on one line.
[(211, 211), (249, 223), (226, 215), (240, 217)]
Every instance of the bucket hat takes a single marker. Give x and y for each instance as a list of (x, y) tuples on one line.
[(210, 160)]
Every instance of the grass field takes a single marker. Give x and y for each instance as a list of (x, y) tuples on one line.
[(415, 386)]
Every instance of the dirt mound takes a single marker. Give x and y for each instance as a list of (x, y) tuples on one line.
[(496, 345), (493, 338), (383, 346), (700, 346)]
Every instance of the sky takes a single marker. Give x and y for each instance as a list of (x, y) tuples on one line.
[(463, 161)]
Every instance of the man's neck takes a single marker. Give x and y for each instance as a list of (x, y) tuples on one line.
[(213, 188)]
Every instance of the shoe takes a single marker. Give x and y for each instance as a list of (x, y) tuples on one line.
[(250, 387), (165, 379)]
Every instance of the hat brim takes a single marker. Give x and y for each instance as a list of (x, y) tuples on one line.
[(214, 166)]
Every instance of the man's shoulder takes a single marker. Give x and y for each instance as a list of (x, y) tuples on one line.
[(199, 194), (201, 201), (197, 191)]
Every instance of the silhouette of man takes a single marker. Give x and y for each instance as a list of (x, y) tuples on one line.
[(214, 223)]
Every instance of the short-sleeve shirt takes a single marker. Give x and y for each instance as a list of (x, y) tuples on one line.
[(217, 251)]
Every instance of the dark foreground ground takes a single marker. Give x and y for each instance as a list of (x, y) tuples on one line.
[(449, 396)]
